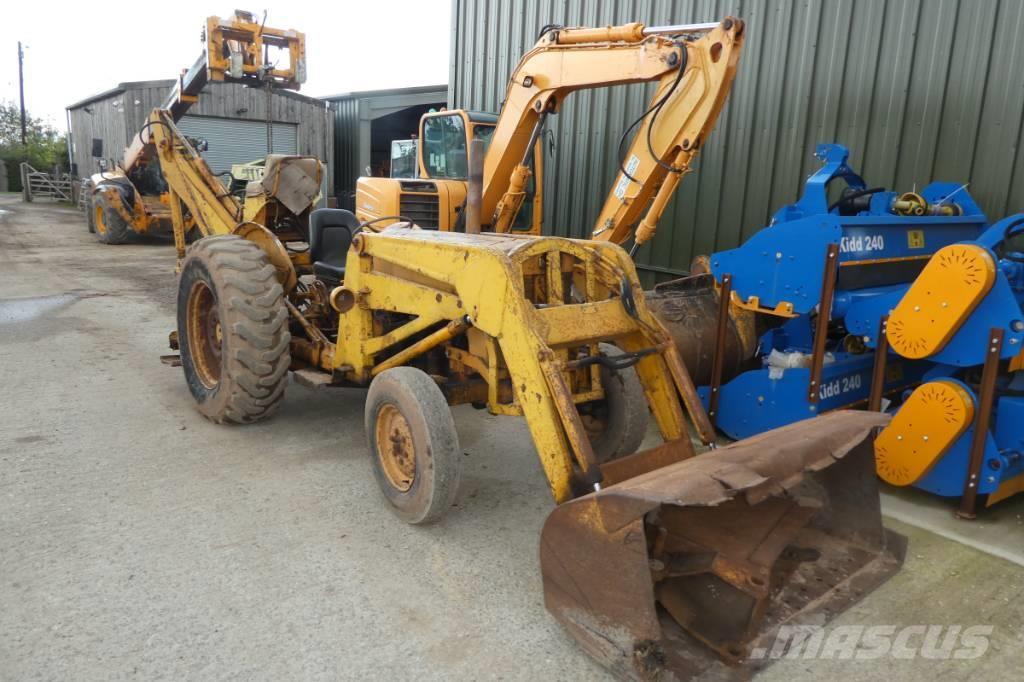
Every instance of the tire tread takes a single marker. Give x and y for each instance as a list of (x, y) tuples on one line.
[(257, 343)]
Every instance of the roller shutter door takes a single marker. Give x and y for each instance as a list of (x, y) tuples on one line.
[(234, 141)]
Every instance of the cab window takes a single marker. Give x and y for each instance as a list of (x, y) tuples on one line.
[(444, 147), (445, 157), (485, 133), (524, 219)]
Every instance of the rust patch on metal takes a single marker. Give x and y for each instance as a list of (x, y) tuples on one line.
[(688, 308)]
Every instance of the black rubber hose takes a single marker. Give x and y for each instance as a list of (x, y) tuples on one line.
[(397, 218), (856, 194), (548, 27), (654, 107), (675, 84), (1008, 234)]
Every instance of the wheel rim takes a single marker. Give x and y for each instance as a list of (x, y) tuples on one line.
[(100, 225), (205, 336), (395, 448)]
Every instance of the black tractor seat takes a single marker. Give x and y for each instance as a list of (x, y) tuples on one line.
[(330, 236)]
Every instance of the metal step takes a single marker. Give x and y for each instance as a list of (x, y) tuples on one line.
[(312, 378)]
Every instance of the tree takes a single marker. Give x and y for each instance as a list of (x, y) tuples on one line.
[(45, 146)]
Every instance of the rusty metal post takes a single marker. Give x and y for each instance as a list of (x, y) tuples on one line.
[(828, 288), (718, 359), (26, 184), (878, 369), (691, 399), (986, 400), (475, 186)]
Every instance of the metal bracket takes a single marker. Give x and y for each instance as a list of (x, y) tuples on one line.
[(828, 287), (986, 399)]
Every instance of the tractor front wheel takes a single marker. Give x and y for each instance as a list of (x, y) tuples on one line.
[(232, 330), (617, 423), (107, 223), (413, 444)]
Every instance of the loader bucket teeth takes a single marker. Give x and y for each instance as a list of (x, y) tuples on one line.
[(685, 570)]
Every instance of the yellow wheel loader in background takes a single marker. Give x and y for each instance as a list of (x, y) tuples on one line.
[(660, 563), (137, 197)]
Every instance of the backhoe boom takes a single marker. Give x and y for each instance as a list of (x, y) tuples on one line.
[(694, 78)]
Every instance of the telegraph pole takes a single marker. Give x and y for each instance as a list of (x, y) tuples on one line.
[(21, 91)]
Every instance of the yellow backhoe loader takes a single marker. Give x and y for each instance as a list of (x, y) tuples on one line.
[(661, 563), (137, 196)]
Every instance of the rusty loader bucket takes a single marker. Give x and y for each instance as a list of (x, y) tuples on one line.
[(681, 572)]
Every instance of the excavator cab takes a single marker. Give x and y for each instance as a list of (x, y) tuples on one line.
[(435, 200)]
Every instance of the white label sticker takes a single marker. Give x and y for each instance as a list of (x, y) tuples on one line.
[(862, 243), (631, 166), (840, 386)]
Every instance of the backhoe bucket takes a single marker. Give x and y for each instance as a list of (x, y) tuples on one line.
[(688, 571)]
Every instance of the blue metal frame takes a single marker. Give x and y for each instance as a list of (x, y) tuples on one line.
[(785, 263)]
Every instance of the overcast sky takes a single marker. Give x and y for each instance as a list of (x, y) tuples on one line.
[(78, 49)]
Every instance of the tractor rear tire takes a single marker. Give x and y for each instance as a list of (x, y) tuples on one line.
[(414, 447), (617, 423), (232, 330), (109, 226)]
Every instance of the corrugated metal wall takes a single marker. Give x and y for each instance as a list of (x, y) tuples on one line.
[(354, 114), (346, 147), (230, 141), (918, 89)]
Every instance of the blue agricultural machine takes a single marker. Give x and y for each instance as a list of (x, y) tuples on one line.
[(908, 303)]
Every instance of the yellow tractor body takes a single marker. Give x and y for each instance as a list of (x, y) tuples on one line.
[(659, 561)]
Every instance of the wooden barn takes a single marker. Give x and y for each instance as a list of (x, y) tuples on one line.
[(232, 118)]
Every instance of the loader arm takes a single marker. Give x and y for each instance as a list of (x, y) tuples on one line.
[(212, 209), (694, 78)]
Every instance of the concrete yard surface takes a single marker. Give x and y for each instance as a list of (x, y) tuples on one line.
[(140, 541)]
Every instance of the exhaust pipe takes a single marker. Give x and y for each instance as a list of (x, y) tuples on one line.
[(475, 186)]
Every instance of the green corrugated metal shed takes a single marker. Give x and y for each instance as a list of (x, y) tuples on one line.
[(354, 114), (918, 89)]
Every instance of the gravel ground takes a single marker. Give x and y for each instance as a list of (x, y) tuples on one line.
[(139, 541)]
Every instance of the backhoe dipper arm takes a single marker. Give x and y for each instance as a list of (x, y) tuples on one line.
[(670, 136), (565, 60)]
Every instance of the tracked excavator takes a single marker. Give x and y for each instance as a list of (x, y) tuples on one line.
[(661, 563), (162, 184)]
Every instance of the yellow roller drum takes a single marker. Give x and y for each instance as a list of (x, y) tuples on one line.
[(940, 299), (930, 421)]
